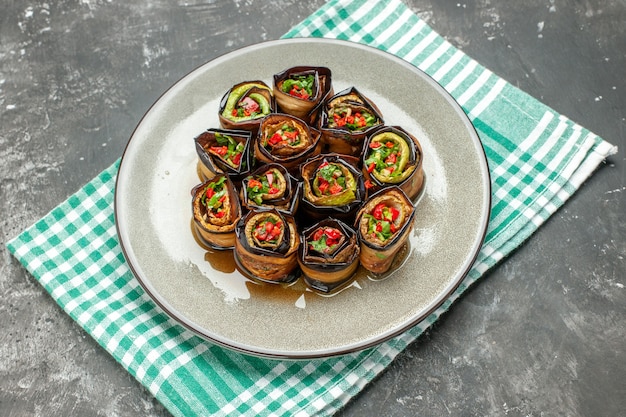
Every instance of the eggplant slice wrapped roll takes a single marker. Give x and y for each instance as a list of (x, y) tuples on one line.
[(301, 91), (216, 211), (332, 186), (271, 186), (245, 104), (345, 121), (329, 255), (266, 247), (286, 140), (383, 225), (392, 156), (224, 152)]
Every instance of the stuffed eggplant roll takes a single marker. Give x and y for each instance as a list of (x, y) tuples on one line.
[(383, 225), (332, 186), (301, 91), (286, 140), (216, 211), (392, 156), (224, 152), (271, 186), (329, 255), (345, 121), (245, 104), (266, 247)]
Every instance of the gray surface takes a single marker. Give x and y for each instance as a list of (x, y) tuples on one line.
[(543, 334)]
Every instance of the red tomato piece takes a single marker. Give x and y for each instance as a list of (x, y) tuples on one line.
[(335, 189), (378, 211)]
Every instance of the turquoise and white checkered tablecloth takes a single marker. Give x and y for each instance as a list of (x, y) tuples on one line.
[(537, 158)]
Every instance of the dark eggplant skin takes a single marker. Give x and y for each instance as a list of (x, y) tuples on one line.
[(328, 272), (414, 183), (219, 236), (305, 109), (238, 92), (210, 165), (277, 264), (375, 256), (289, 157), (287, 202), (341, 139), (310, 205)]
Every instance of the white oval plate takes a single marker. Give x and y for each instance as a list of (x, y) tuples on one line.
[(204, 293)]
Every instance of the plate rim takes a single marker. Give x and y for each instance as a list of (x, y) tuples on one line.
[(467, 264)]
